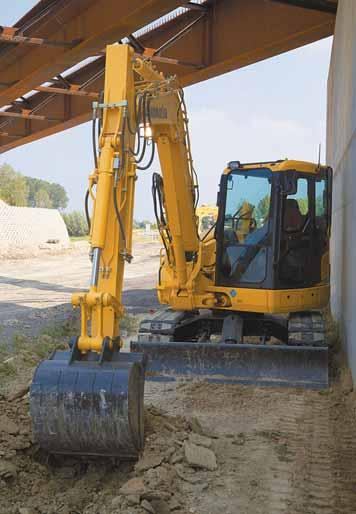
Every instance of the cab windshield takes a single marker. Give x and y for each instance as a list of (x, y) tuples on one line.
[(246, 225)]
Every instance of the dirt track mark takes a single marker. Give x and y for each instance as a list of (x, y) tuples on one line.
[(284, 451)]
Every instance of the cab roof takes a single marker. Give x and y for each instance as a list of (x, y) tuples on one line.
[(282, 165)]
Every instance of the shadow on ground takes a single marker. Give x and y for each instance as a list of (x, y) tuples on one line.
[(29, 321)]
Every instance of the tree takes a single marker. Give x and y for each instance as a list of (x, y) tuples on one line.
[(16, 189), (262, 210), (13, 186), (58, 196), (303, 205), (76, 224), (42, 199), (56, 193)]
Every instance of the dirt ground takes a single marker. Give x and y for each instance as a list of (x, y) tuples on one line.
[(36, 292), (210, 449)]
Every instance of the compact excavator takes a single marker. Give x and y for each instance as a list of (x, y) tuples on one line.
[(244, 300)]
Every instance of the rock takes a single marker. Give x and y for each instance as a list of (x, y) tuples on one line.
[(200, 440), (174, 504), (148, 462), (196, 426), (7, 470), (192, 479), (8, 426), (171, 450), (176, 457), (160, 507), (199, 457), (161, 477), (116, 502), (169, 426), (18, 393), (146, 505), (135, 486), (17, 443), (133, 499)]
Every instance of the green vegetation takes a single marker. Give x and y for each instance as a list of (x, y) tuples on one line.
[(18, 190), (262, 210), (76, 224), (142, 224)]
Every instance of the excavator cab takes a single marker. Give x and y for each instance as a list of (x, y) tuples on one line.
[(285, 242)]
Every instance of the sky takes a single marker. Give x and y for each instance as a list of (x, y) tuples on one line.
[(267, 111)]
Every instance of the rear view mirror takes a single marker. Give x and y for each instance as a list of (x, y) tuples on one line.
[(289, 183)]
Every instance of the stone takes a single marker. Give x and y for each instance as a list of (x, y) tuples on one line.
[(116, 502), (134, 486), (169, 426), (148, 462), (192, 479), (200, 440), (133, 499), (8, 426), (174, 504), (160, 477), (160, 507), (146, 505), (7, 470), (176, 457), (196, 426), (199, 456)]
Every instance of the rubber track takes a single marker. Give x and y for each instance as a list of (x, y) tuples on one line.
[(307, 329)]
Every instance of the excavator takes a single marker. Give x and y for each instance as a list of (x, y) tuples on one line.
[(243, 302)]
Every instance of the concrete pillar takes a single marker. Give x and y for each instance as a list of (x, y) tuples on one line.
[(341, 155)]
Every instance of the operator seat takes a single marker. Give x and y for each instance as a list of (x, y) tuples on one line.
[(293, 219)]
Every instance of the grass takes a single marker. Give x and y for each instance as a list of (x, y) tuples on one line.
[(79, 238), (22, 354)]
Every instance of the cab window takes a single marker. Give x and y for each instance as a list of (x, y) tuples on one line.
[(246, 226)]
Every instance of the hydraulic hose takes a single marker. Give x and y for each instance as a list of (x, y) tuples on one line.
[(86, 205)]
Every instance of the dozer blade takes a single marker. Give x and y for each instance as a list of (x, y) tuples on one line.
[(91, 405), (262, 365)]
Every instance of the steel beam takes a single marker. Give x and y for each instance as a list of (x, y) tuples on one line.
[(232, 34), (70, 91), (329, 6), (94, 23)]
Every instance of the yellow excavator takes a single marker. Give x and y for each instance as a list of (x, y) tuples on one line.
[(243, 300)]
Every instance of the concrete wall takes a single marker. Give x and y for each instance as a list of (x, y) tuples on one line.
[(341, 154), (24, 226)]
